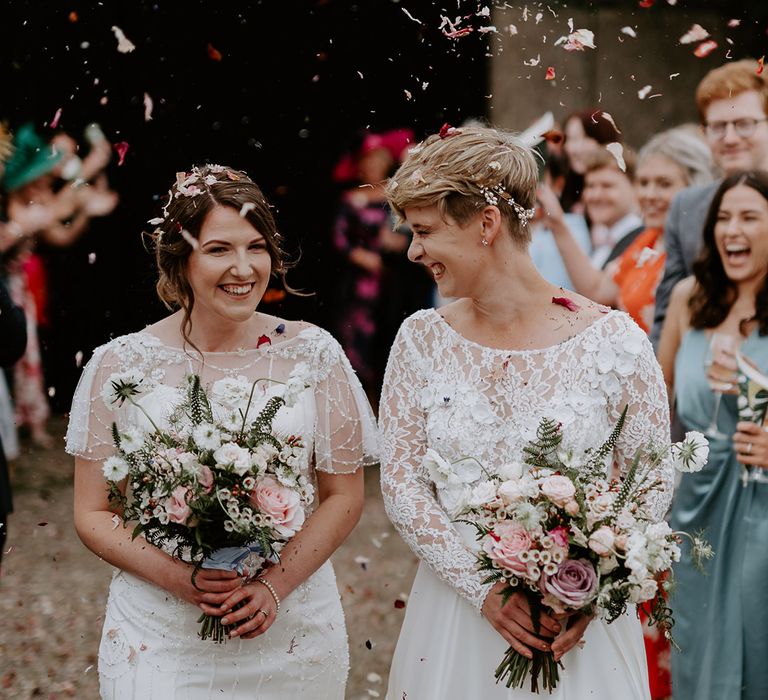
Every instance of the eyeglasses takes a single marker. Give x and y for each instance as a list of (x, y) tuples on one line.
[(744, 128)]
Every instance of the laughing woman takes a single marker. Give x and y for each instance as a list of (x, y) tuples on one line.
[(721, 618), (216, 248), (475, 378)]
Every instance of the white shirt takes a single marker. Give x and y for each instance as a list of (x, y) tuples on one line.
[(604, 238)]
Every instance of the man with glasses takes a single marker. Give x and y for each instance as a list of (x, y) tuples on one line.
[(733, 107)]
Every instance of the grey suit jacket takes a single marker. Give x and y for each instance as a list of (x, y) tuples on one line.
[(682, 240)]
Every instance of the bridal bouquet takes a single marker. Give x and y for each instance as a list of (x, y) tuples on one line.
[(219, 487), (572, 541)]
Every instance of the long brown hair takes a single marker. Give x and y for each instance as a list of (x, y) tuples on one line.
[(193, 196), (715, 293)]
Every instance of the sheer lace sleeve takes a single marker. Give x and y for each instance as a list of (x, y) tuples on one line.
[(409, 495), (89, 434), (644, 391), (345, 434)]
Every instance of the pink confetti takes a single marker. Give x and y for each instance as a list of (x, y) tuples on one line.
[(566, 302), (760, 65), (646, 3), (458, 33), (550, 73), (122, 149), (148, 106), (732, 23), (56, 117), (704, 49)]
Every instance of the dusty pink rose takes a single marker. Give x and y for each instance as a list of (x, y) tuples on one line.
[(176, 505), (506, 544), (205, 478), (283, 504), (558, 489), (574, 585), (560, 537)]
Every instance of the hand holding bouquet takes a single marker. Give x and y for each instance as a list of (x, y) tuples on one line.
[(572, 541), (218, 488)]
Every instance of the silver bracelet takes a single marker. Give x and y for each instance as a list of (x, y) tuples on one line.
[(272, 590)]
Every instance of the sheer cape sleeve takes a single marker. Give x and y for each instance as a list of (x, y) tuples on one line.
[(647, 423), (409, 495), (89, 433), (346, 436)]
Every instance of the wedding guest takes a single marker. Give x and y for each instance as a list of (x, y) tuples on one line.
[(585, 132), (732, 101), (473, 379), (720, 618), (217, 246), (668, 162)]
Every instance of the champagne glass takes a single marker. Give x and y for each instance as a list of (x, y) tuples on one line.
[(719, 345)]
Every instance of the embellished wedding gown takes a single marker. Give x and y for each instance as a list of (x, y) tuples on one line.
[(445, 392), (150, 647)]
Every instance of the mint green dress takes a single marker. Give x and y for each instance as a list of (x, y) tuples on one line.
[(722, 615)]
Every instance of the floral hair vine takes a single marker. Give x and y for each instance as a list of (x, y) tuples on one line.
[(492, 195), (190, 184)]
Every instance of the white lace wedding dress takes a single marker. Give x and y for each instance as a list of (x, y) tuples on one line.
[(444, 392), (149, 647)]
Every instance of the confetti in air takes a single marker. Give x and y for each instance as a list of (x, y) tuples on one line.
[(704, 49), (121, 148), (617, 151), (124, 45), (56, 117), (644, 92), (550, 73), (213, 53), (189, 238), (148, 107), (248, 206), (694, 34)]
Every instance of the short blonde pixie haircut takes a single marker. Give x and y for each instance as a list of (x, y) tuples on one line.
[(451, 171)]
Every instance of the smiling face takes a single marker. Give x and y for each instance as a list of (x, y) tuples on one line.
[(731, 151), (608, 195), (741, 234), (658, 180), (451, 252), (230, 268)]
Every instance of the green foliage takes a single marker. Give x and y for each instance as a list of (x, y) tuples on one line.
[(541, 453), (594, 468)]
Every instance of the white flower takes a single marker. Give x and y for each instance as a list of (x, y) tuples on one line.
[(230, 454), (115, 468), (119, 386), (607, 564), (511, 470), (466, 471), (644, 590), (440, 395), (601, 541), (481, 409), (691, 454), (206, 436), (298, 380), (453, 499), (439, 469), (483, 493), (231, 391), (132, 440)]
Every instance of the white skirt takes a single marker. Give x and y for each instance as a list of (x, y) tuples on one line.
[(150, 649), (447, 651)]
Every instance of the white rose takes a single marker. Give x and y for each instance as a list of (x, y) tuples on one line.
[(512, 491), (482, 494), (453, 499), (607, 564), (601, 541), (231, 391), (510, 470), (558, 489), (115, 468), (231, 454), (643, 591)]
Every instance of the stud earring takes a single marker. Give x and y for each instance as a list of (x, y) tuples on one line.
[(485, 242)]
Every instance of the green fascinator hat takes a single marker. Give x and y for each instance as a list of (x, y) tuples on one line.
[(32, 158)]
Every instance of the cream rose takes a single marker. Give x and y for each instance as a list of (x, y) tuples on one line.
[(601, 541), (558, 489)]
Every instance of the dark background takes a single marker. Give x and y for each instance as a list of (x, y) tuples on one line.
[(296, 86)]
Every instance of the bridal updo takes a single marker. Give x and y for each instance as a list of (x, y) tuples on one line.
[(464, 169)]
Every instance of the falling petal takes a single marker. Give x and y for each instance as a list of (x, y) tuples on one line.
[(148, 107), (566, 302), (732, 23), (411, 17), (56, 117), (91, 258), (550, 73), (263, 340), (704, 49), (189, 238), (760, 65), (213, 53), (629, 32), (643, 92), (124, 45), (617, 151), (609, 119), (248, 206), (78, 358), (694, 34), (399, 604), (121, 148)]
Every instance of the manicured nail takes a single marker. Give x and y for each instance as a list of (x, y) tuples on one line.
[(225, 621), (224, 608)]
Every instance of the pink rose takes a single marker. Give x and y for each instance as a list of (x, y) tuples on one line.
[(505, 544), (176, 505), (205, 478), (558, 489), (573, 586), (283, 504), (560, 537), (601, 541)]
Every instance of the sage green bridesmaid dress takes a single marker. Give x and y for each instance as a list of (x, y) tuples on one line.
[(722, 615)]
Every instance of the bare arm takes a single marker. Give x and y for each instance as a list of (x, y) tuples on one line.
[(595, 284)]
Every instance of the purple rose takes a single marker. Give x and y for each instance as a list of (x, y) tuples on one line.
[(572, 586)]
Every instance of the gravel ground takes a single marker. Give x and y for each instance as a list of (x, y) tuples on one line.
[(53, 590)]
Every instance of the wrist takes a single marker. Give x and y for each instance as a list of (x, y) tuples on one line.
[(275, 596)]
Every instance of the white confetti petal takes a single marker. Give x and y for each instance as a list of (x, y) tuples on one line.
[(124, 45), (643, 92), (617, 151)]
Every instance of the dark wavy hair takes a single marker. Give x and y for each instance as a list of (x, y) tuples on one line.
[(193, 196), (715, 293)]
